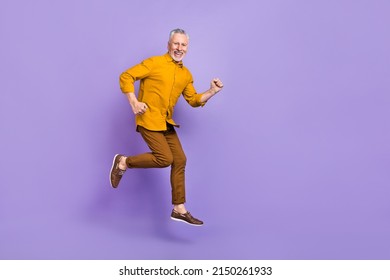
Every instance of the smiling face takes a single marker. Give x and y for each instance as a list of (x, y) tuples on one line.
[(177, 46)]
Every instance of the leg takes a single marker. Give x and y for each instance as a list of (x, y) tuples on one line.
[(160, 156), (179, 212), (177, 167), (166, 150)]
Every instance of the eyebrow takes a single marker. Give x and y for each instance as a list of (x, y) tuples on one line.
[(180, 43)]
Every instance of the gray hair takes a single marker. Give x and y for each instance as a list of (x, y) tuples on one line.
[(178, 31)]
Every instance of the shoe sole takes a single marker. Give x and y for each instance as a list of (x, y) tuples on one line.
[(112, 168), (180, 220)]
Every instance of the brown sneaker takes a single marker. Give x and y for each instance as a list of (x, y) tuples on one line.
[(186, 218), (116, 173)]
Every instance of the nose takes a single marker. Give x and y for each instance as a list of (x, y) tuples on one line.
[(179, 47)]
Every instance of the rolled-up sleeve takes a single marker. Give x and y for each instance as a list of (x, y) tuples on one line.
[(191, 96), (135, 73)]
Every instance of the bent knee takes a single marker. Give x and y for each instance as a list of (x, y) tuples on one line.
[(180, 161), (165, 161)]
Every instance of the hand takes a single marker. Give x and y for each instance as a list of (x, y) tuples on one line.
[(216, 85), (138, 108)]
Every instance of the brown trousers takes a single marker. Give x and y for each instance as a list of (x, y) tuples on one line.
[(166, 150)]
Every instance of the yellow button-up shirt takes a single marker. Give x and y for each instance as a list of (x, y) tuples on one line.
[(162, 81)]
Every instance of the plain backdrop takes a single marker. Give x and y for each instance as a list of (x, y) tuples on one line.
[(290, 161)]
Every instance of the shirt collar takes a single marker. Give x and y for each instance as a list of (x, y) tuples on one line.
[(169, 58)]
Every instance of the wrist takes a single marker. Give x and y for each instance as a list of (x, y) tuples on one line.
[(213, 91), (131, 97)]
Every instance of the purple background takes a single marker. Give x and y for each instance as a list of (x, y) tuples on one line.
[(290, 161)]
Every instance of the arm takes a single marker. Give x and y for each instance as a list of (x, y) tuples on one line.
[(200, 99), (127, 80), (215, 86), (138, 107)]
